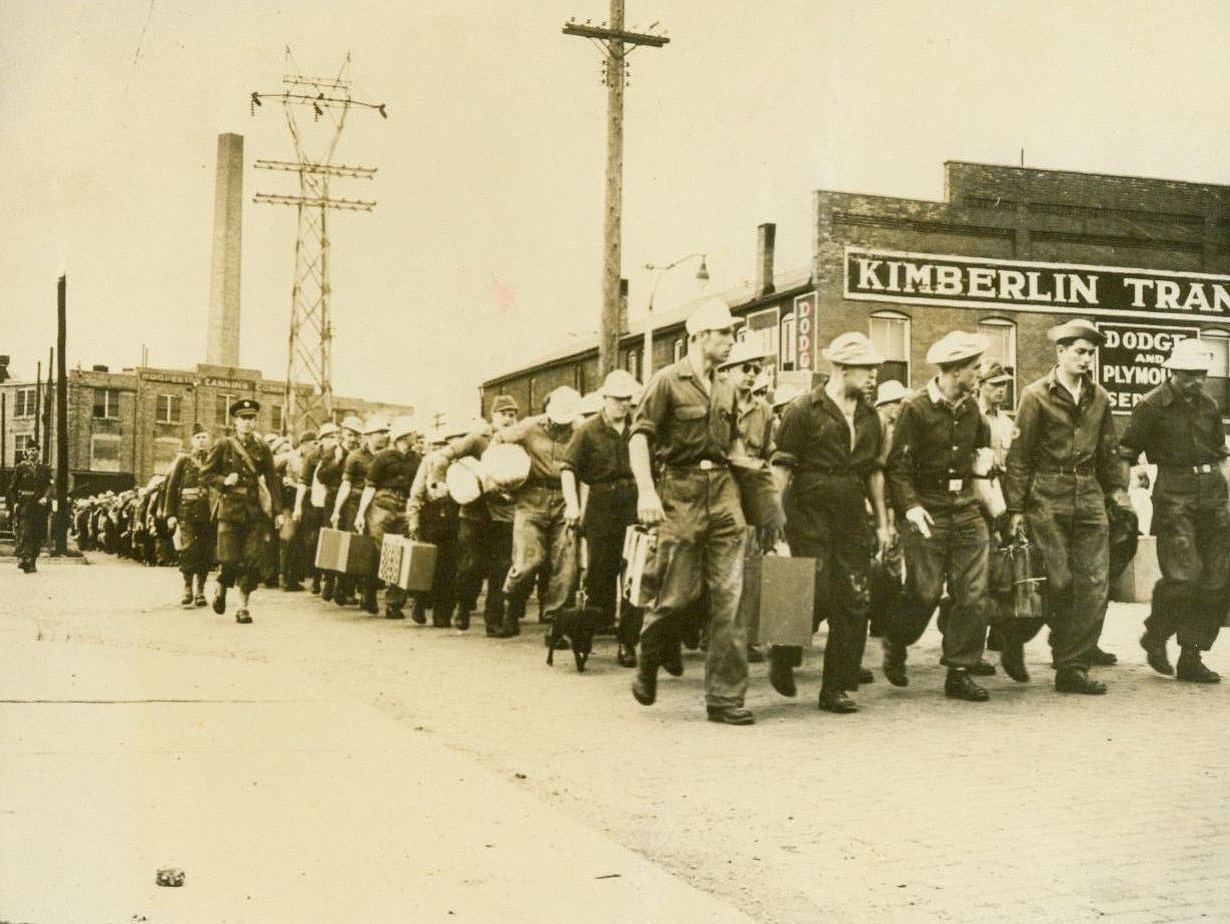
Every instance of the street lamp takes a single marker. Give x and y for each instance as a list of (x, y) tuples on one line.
[(702, 275)]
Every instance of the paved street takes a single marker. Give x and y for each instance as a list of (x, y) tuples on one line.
[(326, 765)]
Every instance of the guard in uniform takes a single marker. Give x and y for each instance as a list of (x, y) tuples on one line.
[(186, 509), (29, 497), (598, 457), (240, 469), (1179, 428), (346, 505), (686, 421), (945, 536), (382, 508), (1061, 468), (828, 467)]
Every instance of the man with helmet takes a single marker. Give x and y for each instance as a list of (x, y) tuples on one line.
[(186, 509), (1179, 428), (686, 422), (382, 507), (542, 536)]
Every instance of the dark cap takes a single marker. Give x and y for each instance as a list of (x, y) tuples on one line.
[(1076, 329), (504, 403), (244, 407), (307, 436), (198, 427)]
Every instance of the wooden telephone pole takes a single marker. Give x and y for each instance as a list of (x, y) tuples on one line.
[(616, 44)]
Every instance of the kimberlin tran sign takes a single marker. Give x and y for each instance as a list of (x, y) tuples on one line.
[(1068, 288)]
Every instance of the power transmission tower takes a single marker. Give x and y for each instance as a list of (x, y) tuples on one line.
[(615, 44), (309, 365)]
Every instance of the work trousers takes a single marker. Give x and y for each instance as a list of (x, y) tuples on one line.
[(199, 540), (540, 538), (957, 556), (30, 530), (443, 535), (484, 551), (243, 553), (700, 551), (382, 521), (1192, 526), (307, 534)]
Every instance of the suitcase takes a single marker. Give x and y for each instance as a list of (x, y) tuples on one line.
[(638, 577), (349, 553), (409, 564), (779, 596)]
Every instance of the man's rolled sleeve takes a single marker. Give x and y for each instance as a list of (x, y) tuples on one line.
[(900, 469), (654, 406), (1018, 467)]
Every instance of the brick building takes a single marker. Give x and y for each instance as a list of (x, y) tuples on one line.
[(124, 427)]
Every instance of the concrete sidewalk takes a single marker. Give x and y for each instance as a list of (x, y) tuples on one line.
[(283, 799)]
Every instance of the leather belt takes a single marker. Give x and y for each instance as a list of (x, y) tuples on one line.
[(1067, 469), (704, 465), (1206, 469)]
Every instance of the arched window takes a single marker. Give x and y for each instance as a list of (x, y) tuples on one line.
[(1217, 384), (1000, 337), (890, 333)]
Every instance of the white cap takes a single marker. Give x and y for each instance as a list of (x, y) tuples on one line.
[(402, 426), (377, 423), (1190, 355), (744, 352), (563, 405), (712, 314)]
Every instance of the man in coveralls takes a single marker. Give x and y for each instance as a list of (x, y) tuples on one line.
[(687, 419), (1179, 428)]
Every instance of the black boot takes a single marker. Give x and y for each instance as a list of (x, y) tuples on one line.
[(781, 670), (185, 599), (959, 685), (1192, 670), (461, 618), (1012, 657), (1155, 654), (327, 586), (645, 687), (510, 626), (894, 663), (1076, 680)]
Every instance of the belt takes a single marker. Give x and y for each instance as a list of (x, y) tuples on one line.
[(704, 465), (1086, 469), (1206, 469)]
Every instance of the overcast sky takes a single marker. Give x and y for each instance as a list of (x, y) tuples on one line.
[(485, 247)]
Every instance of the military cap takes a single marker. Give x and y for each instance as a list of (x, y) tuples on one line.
[(504, 403), (955, 347), (619, 383), (992, 372), (352, 423), (328, 429), (244, 407), (891, 391), (563, 405), (1190, 355), (852, 349), (712, 314), (744, 352), (1076, 329)]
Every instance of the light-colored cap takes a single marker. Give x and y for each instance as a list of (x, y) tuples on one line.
[(891, 391), (563, 405), (955, 347), (353, 424), (591, 404), (402, 426), (784, 394), (1190, 355), (377, 423), (1076, 329), (711, 314), (852, 349), (619, 383), (328, 429), (992, 372), (762, 384), (744, 352)]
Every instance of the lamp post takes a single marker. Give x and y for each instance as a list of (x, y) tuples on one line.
[(702, 274)]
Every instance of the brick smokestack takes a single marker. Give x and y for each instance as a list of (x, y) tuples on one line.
[(766, 240), (222, 347)]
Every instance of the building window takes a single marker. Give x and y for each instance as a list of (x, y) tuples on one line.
[(170, 409), (761, 332), (104, 452), (890, 333), (680, 348), (222, 407), (20, 442), (530, 409), (1000, 338), (166, 448), (277, 418), (106, 403), (632, 362), (790, 345), (23, 402), (1217, 382)]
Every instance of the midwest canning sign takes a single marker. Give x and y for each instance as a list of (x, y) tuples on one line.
[(1065, 288)]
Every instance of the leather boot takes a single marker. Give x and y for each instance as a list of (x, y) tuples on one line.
[(510, 626), (894, 663), (645, 687), (1192, 670), (781, 671), (959, 685), (1155, 654), (1012, 657), (1076, 680)]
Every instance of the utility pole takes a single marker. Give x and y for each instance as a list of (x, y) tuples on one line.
[(59, 532), (309, 361), (616, 44)]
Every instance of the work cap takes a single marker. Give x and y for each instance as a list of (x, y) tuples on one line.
[(784, 394), (329, 429), (744, 352), (377, 423), (197, 428), (712, 314), (307, 436), (890, 392), (1190, 355), (591, 404), (992, 372), (955, 347), (563, 405), (852, 349), (504, 403), (402, 426), (1078, 328), (353, 424), (619, 383), (762, 384), (244, 407)]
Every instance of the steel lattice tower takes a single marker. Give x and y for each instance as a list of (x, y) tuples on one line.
[(309, 368)]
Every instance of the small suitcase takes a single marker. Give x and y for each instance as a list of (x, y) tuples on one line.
[(409, 564), (349, 553), (638, 577), (779, 595)]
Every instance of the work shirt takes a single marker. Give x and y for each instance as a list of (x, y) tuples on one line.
[(29, 483), (686, 424), (544, 442), (932, 455), (1003, 429), (1056, 435), (1174, 432), (598, 455), (354, 469), (754, 422), (393, 470), (829, 484)]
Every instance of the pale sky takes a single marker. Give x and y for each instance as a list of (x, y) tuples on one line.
[(484, 250)]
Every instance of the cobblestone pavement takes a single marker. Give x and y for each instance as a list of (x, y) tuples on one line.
[(1033, 807)]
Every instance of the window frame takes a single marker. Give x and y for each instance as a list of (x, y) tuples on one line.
[(1004, 324), (110, 403), (907, 325)]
